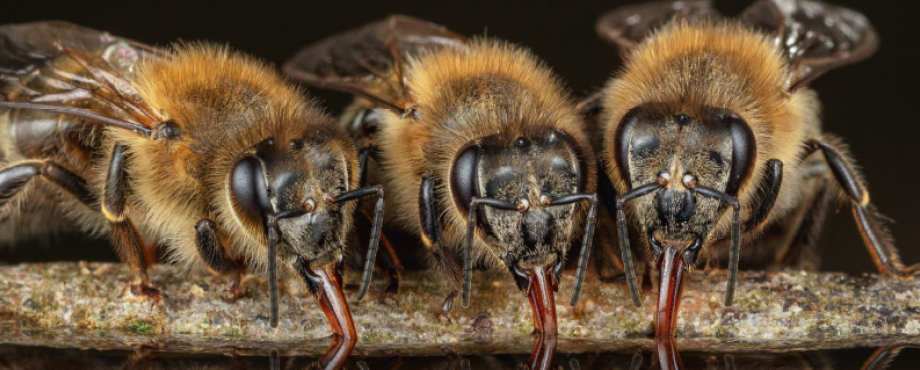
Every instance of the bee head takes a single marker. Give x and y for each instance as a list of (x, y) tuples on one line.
[(297, 177), (521, 177), (682, 151)]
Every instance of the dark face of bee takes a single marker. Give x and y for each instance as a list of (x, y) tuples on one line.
[(680, 151), (528, 172), (302, 174)]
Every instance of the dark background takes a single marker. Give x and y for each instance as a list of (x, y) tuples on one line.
[(871, 104)]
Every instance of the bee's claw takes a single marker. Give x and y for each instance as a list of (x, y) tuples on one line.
[(389, 299), (140, 290)]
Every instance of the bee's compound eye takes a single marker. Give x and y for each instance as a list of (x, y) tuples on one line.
[(545, 200), (309, 205), (663, 178), (523, 205), (689, 180)]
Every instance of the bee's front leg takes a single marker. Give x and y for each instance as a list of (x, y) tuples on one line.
[(124, 235), (431, 237), (387, 261), (215, 256)]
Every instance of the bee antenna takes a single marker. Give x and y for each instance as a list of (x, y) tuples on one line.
[(273, 360), (468, 253), (586, 243), (585, 246), (623, 234), (250, 193), (272, 230), (274, 233), (375, 231), (468, 248), (573, 363), (637, 362), (734, 252)]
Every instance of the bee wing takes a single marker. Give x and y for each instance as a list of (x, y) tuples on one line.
[(61, 65), (368, 61), (627, 26), (816, 37)]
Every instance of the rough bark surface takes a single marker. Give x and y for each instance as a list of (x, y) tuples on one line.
[(82, 305)]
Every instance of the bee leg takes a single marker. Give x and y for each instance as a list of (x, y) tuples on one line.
[(214, 255), (795, 234), (431, 237), (392, 264), (800, 253), (636, 362), (605, 262), (388, 261), (15, 177), (646, 284), (883, 357), (874, 233), (447, 305), (124, 235), (141, 359), (712, 265), (614, 205), (363, 155), (729, 362)]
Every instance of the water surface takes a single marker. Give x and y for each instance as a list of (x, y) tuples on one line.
[(27, 357)]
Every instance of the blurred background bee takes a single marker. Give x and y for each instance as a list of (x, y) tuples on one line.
[(479, 145), (198, 148), (712, 142)]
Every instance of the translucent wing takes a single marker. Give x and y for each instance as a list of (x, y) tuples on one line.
[(816, 37), (368, 61), (627, 26), (64, 68)]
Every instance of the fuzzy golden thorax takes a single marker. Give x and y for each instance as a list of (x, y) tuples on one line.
[(514, 113), (687, 96), (226, 106)]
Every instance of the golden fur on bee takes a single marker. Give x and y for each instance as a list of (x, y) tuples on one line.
[(744, 72), (225, 103), (501, 87)]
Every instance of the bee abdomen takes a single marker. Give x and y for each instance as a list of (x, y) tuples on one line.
[(37, 135)]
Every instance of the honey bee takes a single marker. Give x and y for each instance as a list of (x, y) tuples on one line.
[(198, 148), (478, 143), (710, 138)]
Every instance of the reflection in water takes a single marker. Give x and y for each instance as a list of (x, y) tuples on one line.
[(337, 354), (668, 356), (884, 356), (544, 357)]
